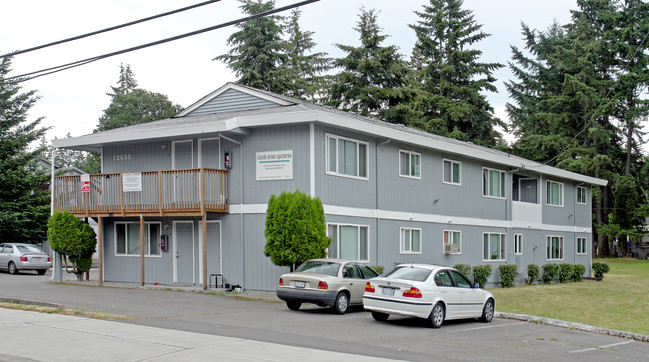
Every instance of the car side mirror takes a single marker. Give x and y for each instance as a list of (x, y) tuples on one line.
[(476, 285)]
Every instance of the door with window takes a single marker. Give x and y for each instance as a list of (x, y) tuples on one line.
[(450, 293), (528, 190), (184, 252), (471, 297), (355, 282)]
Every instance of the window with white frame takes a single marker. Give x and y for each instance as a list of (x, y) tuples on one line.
[(554, 194), (349, 242), (452, 172), (518, 244), (410, 241), (452, 242), (127, 238), (581, 246), (554, 248), (347, 157), (582, 195), (493, 183), (409, 163), (493, 247)]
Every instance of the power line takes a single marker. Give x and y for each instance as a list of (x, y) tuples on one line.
[(107, 29), (31, 75)]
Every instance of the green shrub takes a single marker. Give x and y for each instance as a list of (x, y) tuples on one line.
[(550, 272), (599, 269), (463, 268), (533, 272), (508, 274), (578, 272), (565, 272), (378, 268), (481, 274)]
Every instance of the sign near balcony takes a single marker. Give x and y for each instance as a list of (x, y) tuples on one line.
[(132, 181), (274, 165), (85, 182)]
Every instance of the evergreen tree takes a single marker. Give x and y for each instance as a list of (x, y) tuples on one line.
[(131, 105), (306, 67), (258, 53), (373, 78), (24, 199), (451, 75)]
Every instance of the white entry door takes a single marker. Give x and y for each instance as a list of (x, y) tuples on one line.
[(184, 252)]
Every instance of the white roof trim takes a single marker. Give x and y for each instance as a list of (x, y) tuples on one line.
[(228, 86)]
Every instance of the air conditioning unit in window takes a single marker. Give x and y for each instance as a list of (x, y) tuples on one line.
[(448, 248)]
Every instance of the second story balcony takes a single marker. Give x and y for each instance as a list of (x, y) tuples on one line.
[(189, 192)]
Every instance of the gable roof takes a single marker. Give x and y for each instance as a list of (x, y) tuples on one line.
[(259, 108)]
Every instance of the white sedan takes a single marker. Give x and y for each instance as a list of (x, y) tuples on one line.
[(431, 292)]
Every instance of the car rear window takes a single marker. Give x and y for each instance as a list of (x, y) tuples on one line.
[(28, 249), (408, 273), (322, 267)]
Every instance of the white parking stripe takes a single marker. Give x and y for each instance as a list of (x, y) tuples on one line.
[(490, 326), (601, 347)]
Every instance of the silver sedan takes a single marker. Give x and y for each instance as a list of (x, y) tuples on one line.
[(17, 256)]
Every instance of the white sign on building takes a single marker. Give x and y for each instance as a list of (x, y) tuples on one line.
[(274, 165), (132, 181)]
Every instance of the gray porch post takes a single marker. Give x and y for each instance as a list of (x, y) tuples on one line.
[(56, 265)]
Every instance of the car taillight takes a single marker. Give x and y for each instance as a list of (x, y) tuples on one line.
[(48, 259), (369, 288), (323, 285), (23, 258), (281, 281), (412, 293)]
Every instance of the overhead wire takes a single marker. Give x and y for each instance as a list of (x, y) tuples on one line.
[(108, 29), (36, 74)]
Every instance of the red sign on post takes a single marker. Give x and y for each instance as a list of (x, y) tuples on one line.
[(85, 182)]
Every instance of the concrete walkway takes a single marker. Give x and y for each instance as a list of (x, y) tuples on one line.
[(34, 336)]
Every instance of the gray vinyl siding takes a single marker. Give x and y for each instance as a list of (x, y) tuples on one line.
[(231, 100), (560, 215), (150, 156)]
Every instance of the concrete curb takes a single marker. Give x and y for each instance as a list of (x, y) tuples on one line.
[(573, 325), (30, 302)]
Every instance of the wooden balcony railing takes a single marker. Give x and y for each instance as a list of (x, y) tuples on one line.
[(171, 192)]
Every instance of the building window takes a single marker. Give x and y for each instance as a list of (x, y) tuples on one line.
[(452, 172), (409, 164), (493, 183), (493, 247), (452, 242), (127, 239), (581, 195), (581, 246), (554, 248), (347, 157), (518, 244), (410, 241), (554, 195), (349, 242)]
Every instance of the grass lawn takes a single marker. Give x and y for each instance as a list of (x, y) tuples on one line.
[(619, 301)]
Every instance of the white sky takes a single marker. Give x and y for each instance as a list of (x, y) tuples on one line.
[(73, 100)]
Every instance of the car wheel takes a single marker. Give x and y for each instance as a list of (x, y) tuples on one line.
[(436, 317), (488, 311), (293, 305), (341, 304), (12, 268), (381, 317), (41, 271)]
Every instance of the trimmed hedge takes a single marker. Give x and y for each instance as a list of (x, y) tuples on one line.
[(565, 272), (508, 274), (463, 268), (378, 268), (533, 272), (481, 274), (550, 272), (599, 269), (578, 272)]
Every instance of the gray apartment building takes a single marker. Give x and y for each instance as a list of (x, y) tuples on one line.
[(182, 199)]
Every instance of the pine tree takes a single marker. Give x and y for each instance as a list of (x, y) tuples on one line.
[(451, 75), (373, 78), (24, 199)]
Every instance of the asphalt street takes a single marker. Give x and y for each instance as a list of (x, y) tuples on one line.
[(318, 330)]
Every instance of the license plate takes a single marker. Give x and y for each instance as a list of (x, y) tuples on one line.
[(299, 284), (388, 291), (37, 259)]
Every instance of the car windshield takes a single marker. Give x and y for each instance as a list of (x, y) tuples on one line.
[(408, 273), (28, 249), (322, 267)]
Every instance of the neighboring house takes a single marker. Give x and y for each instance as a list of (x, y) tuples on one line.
[(201, 182)]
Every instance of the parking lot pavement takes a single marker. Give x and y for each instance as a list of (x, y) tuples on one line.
[(65, 338)]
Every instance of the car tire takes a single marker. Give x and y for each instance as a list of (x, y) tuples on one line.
[(437, 315), (381, 317), (293, 305), (41, 271), (487, 311), (342, 303), (12, 268)]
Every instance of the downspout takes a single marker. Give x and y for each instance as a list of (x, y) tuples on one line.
[(574, 223), (243, 239), (378, 214)]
